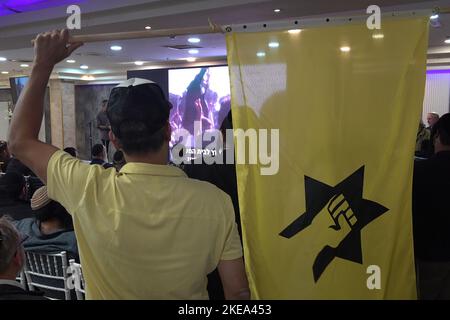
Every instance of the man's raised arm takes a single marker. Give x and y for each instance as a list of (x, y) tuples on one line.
[(50, 48)]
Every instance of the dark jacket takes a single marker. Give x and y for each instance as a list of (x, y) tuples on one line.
[(10, 292), (16, 209), (431, 208)]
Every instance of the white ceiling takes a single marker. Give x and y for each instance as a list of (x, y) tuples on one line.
[(17, 30)]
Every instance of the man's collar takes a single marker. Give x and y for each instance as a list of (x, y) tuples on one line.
[(11, 283), (152, 169)]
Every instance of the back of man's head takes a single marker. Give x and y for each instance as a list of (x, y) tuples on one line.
[(9, 243), (97, 151), (12, 185), (441, 130), (138, 112)]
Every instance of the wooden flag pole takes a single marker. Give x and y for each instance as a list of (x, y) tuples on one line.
[(213, 28), (144, 34)]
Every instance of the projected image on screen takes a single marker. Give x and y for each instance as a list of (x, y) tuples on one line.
[(199, 96)]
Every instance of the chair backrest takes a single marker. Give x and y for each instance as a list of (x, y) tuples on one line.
[(22, 279), (78, 279), (49, 273)]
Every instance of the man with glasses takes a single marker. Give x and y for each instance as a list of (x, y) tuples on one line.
[(12, 260)]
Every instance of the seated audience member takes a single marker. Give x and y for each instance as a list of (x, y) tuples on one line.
[(13, 195), (12, 260), (51, 230), (118, 160), (98, 154), (423, 143), (72, 151), (5, 156), (159, 233), (431, 216)]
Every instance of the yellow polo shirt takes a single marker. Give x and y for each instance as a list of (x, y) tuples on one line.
[(147, 232)]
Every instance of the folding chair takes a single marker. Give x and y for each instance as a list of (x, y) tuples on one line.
[(77, 275), (49, 273)]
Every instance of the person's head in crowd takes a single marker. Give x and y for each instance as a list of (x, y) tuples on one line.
[(118, 160), (4, 155), (72, 151), (138, 112), (432, 118), (104, 105), (441, 134), (12, 186), (4, 152), (98, 152), (12, 255), (51, 215)]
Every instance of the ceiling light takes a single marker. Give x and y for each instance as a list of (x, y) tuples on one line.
[(70, 61), (191, 59), (116, 48), (434, 17), (261, 54), (83, 66), (5, 72), (3, 59), (194, 40), (447, 41), (193, 51), (24, 65), (139, 63), (277, 10), (378, 36), (274, 44), (148, 28), (345, 49), (87, 78), (295, 31)]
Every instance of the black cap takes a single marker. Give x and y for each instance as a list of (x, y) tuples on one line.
[(139, 102)]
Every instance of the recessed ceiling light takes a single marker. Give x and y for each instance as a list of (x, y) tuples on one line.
[(70, 61), (345, 49), (295, 31), (148, 28), (447, 41), (24, 65), (139, 63), (277, 10), (116, 48), (5, 72), (378, 36), (274, 44), (261, 54), (3, 59), (193, 51), (83, 66), (191, 59), (434, 17), (194, 40)]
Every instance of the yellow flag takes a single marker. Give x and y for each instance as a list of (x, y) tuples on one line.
[(332, 219)]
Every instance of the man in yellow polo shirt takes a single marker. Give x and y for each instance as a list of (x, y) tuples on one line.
[(147, 232)]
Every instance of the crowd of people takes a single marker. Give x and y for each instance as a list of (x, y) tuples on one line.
[(121, 220)]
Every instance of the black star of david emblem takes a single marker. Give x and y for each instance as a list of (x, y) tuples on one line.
[(345, 200)]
